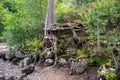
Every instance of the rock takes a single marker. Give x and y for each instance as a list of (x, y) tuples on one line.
[(70, 62), (49, 55), (9, 78), (29, 69), (16, 61), (19, 77), (19, 54), (48, 62), (26, 54), (63, 62), (2, 75), (25, 62), (2, 55), (33, 57), (78, 67), (9, 55)]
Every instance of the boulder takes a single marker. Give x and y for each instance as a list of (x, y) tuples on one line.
[(78, 67), (49, 55), (70, 62), (2, 55), (2, 75), (9, 55), (16, 61), (48, 62), (29, 69), (33, 57), (62, 62), (25, 62), (19, 77), (9, 78), (19, 54)]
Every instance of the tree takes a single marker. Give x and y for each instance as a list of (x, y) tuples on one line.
[(49, 17), (50, 40)]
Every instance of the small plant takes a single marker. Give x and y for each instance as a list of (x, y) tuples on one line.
[(108, 74), (81, 54), (97, 60)]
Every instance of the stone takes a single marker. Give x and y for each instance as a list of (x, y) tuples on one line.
[(19, 77), (26, 54), (63, 62), (29, 69), (78, 67), (33, 57), (25, 62), (16, 61), (48, 62), (2, 76), (9, 78), (70, 62), (19, 54), (49, 55), (9, 55), (2, 55)]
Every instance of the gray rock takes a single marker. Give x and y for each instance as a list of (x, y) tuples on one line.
[(25, 62), (2, 55), (19, 54), (49, 55), (29, 69), (48, 62), (63, 62), (70, 62), (9, 78), (16, 61), (9, 55), (78, 67), (2, 76), (19, 77)]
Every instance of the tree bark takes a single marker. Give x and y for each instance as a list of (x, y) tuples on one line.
[(50, 40), (49, 17)]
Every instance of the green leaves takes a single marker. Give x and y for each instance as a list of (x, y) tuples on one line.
[(26, 23), (108, 74)]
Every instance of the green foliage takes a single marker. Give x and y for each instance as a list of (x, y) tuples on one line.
[(60, 9), (99, 60), (22, 20), (24, 25), (10, 6), (80, 52), (3, 11), (70, 16), (108, 74), (99, 12)]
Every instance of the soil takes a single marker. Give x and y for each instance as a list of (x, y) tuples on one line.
[(49, 73)]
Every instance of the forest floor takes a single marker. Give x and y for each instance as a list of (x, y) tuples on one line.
[(46, 73), (49, 73)]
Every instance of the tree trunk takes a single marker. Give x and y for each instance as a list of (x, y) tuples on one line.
[(50, 40), (49, 17)]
